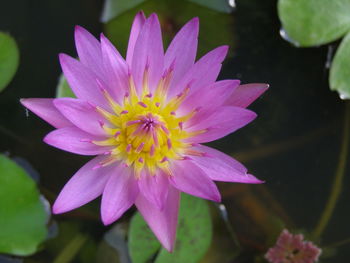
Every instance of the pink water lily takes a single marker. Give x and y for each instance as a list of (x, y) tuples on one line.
[(145, 117), (291, 248)]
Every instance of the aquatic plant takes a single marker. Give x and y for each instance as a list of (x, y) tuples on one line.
[(144, 118), (291, 248)]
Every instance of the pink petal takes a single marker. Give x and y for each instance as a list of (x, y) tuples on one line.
[(148, 54), (85, 185), (136, 27), (182, 50), (189, 178), (89, 50), (81, 114), (245, 94), (116, 70), (45, 109), (221, 167), (72, 139), (154, 188), (203, 73), (119, 195), (208, 99), (82, 80), (221, 123), (162, 222)]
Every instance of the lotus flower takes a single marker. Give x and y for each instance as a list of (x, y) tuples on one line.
[(144, 118)]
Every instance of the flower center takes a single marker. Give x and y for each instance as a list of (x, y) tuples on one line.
[(144, 131)]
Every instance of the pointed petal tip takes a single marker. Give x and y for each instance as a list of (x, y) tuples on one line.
[(58, 209), (78, 28), (47, 139), (24, 101), (194, 22), (153, 18), (107, 221), (216, 197), (253, 115), (263, 86), (225, 49), (103, 38), (255, 180), (140, 14), (169, 246), (80, 31), (63, 57)]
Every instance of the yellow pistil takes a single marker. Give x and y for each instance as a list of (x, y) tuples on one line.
[(144, 130)]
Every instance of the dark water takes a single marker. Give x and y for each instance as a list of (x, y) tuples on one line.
[(293, 145)]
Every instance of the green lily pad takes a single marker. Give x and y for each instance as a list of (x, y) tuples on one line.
[(142, 242), (339, 78), (194, 235), (9, 59), (217, 5), (63, 90), (113, 8), (173, 15), (314, 22), (22, 214)]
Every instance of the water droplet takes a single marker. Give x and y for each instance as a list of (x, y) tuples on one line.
[(232, 3), (285, 36), (329, 56), (223, 212), (344, 96)]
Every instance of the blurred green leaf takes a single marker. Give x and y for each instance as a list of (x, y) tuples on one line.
[(217, 5), (314, 22), (63, 90), (142, 242), (9, 59), (339, 78), (73, 243), (106, 254), (113, 8), (224, 246), (194, 232), (194, 235), (22, 214), (71, 249), (173, 15)]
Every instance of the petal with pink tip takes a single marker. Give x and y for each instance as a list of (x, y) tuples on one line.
[(116, 70), (189, 178), (81, 114), (119, 194), (245, 94), (45, 109), (162, 222), (221, 167), (148, 55), (82, 80), (85, 185), (89, 50), (203, 73), (182, 50), (136, 27), (221, 123), (74, 140), (154, 188)]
